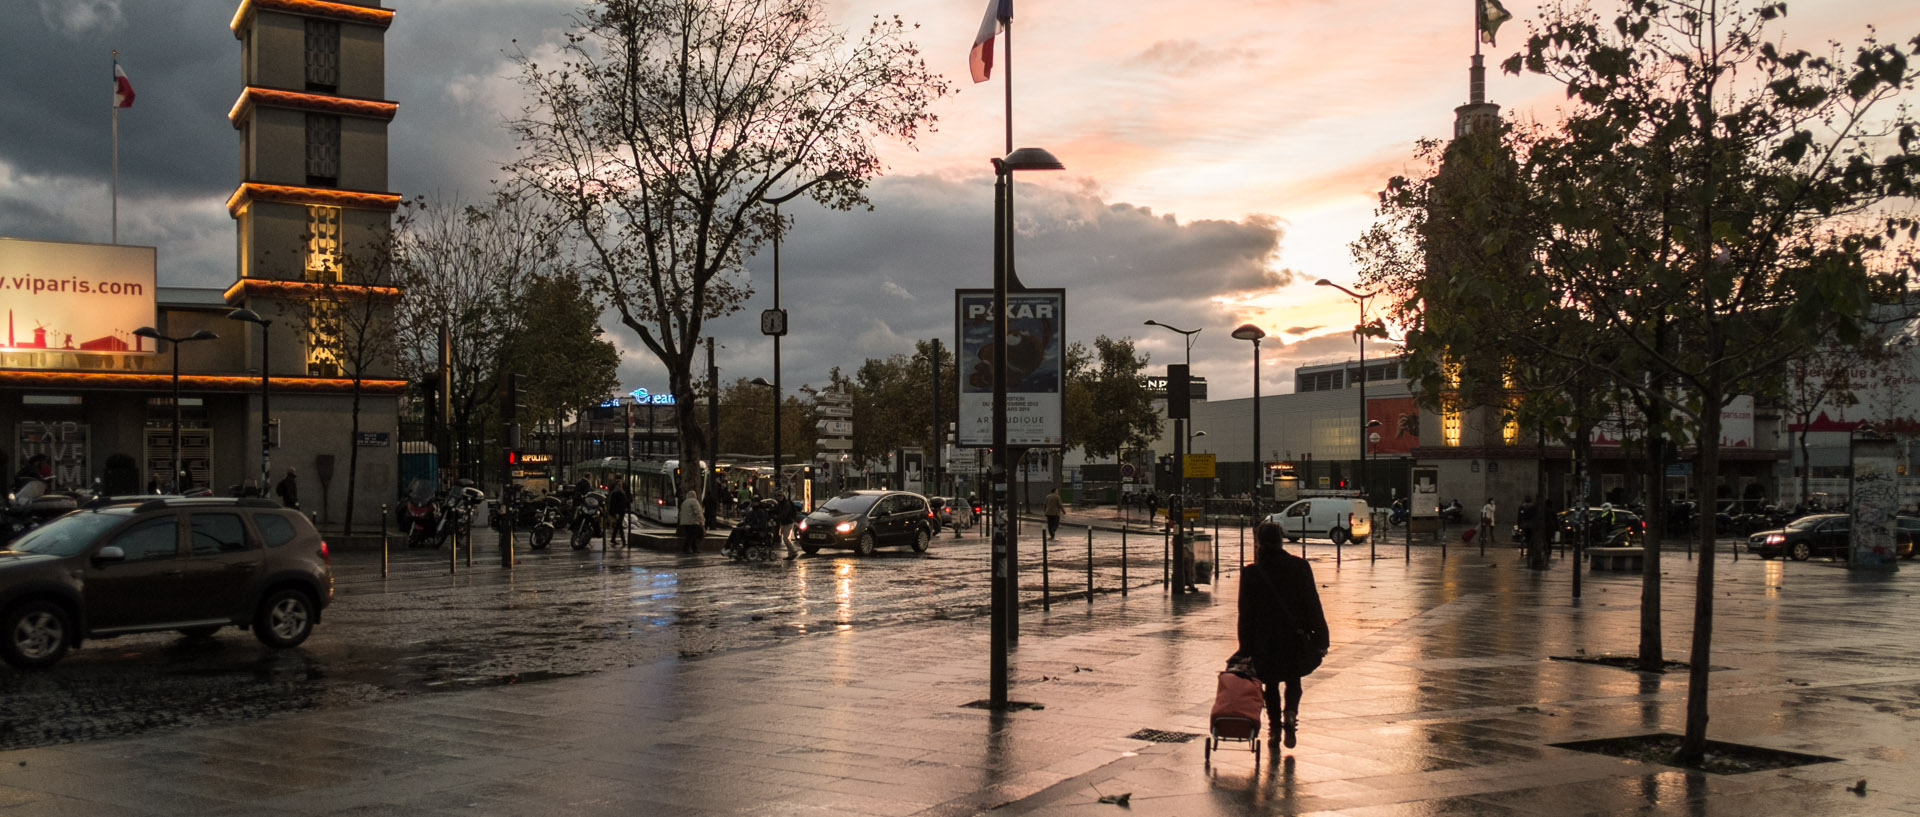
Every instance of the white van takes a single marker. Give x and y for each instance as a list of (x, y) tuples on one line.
[(1338, 518)]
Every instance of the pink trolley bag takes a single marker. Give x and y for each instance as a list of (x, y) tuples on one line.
[(1237, 708)]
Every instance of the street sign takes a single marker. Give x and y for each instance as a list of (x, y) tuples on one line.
[(836, 428), (832, 444), (834, 411), (1199, 466), (836, 398), (373, 438)]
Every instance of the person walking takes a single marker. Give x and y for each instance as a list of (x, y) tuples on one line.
[(1281, 626), (784, 515), (289, 490), (690, 529), (1486, 523), (617, 506), (1055, 510)]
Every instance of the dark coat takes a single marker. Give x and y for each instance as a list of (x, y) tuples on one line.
[(1267, 628)]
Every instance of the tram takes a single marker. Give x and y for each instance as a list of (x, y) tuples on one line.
[(654, 487)]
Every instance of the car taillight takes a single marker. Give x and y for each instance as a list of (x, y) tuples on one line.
[(325, 556)]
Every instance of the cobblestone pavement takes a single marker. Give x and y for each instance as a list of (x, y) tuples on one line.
[(1441, 697)]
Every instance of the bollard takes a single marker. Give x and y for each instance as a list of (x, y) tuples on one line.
[(506, 541), (1166, 554), (454, 539), (1123, 559), (1089, 564), (386, 533), (453, 557), (1243, 546), (1372, 538), (456, 543)]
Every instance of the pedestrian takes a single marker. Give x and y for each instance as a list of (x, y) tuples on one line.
[(617, 507), (712, 508), (1055, 510), (38, 467), (784, 515), (1281, 627), (1486, 522), (289, 490), (690, 529)]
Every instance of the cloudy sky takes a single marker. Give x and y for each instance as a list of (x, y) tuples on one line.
[(1220, 155)]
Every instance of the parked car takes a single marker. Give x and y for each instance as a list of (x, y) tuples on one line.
[(1605, 528), (1825, 534), (864, 520), (188, 564), (1343, 519)]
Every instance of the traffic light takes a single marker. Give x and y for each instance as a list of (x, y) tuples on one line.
[(1179, 392)]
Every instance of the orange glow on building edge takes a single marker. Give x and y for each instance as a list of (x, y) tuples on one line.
[(313, 8)]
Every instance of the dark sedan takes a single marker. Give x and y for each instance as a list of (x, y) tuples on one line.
[(1822, 534), (865, 520), (1605, 528)]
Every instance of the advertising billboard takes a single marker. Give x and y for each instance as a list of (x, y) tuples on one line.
[(1036, 351), (1399, 427), (80, 298)]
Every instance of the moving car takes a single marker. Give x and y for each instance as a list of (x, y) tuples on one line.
[(1342, 519), (188, 564), (1825, 534), (1605, 528), (951, 513), (865, 520)]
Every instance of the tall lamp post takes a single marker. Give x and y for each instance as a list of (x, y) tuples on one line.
[(779, 480), (1359, 331), (1253, 333), (1180, 426), (1003, 459), (266, 432), (203, 334)]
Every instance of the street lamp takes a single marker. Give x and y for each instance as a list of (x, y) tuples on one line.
[(1179, 438), (266, 433), (1360, 335), (203, 334), (1253, 333), (1004, 538)]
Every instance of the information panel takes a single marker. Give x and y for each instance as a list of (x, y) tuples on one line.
[(1036, 349)]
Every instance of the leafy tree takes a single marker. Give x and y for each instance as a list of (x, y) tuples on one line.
[(1740, 213), (565, 366), (1110, 410), (670, 126)]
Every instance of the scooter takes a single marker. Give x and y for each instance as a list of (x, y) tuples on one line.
[(1453, 512), (422, 515), (1397, 515), (545, 510), (31, 507)]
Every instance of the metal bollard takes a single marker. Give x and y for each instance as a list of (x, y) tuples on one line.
[(456, 543), (385, 534), (454, 535), (1089, 564), (506, 541), (1123, 559), (1166, 555)]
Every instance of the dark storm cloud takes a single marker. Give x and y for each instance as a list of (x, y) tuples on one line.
[(868, 284)]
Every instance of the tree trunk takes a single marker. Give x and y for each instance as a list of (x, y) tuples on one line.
[(1652, 656), (1695, 743)]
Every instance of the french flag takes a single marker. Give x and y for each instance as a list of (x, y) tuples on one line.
[(122, 88), (981, 58)]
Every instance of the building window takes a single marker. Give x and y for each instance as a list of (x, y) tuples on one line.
[(1450, 421), (323, 150), (323, 56), (323, 336), (1510, 429), (323, 243)]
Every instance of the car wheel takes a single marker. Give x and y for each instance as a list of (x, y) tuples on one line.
[(198, 633), (809, 549), (38, 634), (920, 541), (1800, 551), (285, 619), (1338, 535), (866, 544)]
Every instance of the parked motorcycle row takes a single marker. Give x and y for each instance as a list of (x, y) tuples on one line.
[(578, 512)]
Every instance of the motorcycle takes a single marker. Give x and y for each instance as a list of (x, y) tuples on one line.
[(1397, 514), (545, 510), (755, 538), (31, 507), (585, 524), (431, 518), (1453, 512)]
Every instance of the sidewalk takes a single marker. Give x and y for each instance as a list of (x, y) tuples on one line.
[(1439, 698)]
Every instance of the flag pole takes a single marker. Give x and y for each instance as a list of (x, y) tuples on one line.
[(114, 189)]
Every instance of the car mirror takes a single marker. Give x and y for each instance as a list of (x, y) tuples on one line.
[(110, 554)]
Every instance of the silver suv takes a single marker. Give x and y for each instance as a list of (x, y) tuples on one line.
[(188, 564)]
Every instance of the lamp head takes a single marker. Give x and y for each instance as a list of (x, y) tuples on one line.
[(147, 332), (1325, 283), (247, 315), (760, 381), (1030, 159), (1248, 331), (204, 334)]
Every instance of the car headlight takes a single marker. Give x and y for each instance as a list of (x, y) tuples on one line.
[(803, 524), (844, 527), (1776, 539)]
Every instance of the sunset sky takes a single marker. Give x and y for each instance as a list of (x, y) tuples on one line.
[(1221, 156)]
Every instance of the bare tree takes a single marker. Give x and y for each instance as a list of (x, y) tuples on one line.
[(670, 126)]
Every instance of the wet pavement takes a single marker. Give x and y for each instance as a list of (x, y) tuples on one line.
[(847, 694)]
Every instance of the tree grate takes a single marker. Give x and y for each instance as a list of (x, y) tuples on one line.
[(1163, 736)]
